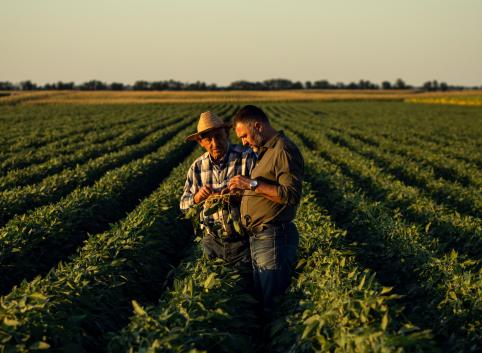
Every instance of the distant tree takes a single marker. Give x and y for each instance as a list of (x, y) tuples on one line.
[(386, 85), (427, 86), (297, 85), (65, 85), (175, 85), (6, 86), (400, 84), (278, 84), (444, 86), (308, 85), (321, 84), (141, 86), (159, 85), (27, 85), (116, 86), (352, 85), (93, 85), (196, 86), (246, 86)]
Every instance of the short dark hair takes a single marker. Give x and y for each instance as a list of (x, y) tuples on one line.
[(250, 114)]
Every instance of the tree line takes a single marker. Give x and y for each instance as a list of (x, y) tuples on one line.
[(266, 85)]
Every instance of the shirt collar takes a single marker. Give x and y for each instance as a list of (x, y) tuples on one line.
[(271, 142)]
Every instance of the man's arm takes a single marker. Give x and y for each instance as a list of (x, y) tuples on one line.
[(289, 173), (265, 189), (193, 193), (187, 198)]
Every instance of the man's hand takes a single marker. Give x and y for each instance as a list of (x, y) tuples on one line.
[(202, 194), (269, 191), (239, 182)]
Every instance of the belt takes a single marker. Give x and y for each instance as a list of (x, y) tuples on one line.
[(264, 226)]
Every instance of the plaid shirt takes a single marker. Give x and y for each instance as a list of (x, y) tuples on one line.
[(239, 160)]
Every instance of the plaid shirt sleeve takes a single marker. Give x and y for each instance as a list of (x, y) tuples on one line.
[(190, 189)]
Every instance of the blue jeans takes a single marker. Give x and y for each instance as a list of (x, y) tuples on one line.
[(273, 254), (234, 252)]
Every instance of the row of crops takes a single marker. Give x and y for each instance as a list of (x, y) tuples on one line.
[(96, 257)]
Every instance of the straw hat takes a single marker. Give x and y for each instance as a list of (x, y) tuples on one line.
[(207, 121)]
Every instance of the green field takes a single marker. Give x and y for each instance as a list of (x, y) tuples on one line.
[(96, 257)]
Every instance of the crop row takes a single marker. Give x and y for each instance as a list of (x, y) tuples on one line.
[(455, 230), (33, 243), (68, 124), (333, 304), (38, 126), (30, 157), (465, 199), (442, 291), (207, 308), (105, 129), (395, 140), (51, 189), (459, 171), (73, 155), (75, 305)]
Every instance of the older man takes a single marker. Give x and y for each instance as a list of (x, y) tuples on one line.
[(209, 175), (271, 197)]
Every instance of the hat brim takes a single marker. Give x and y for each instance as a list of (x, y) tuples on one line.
[(194, 136)]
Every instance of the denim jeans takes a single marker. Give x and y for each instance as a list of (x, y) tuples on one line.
[(234, 252), (273, 254)]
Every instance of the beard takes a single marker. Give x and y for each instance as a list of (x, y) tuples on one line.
[(257, 139)]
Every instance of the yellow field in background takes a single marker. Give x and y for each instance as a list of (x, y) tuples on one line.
[(143, 97), (453, 100)]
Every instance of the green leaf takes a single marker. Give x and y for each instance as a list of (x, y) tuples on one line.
[(386, 290), (209, 282), (384, 323), (362, 282), (342, 262), (138, 309), (10, 322), (237, 227), (301, 263), (427, 227), (38, 296), (312, 319), (40, 345)]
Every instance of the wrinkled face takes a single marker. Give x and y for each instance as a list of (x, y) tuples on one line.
[(249, 134), (215, 142)]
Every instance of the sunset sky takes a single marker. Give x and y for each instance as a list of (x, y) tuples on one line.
[(223, 41)]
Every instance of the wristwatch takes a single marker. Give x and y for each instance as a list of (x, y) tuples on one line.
[(253, 184)]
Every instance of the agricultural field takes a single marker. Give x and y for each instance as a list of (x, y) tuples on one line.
[(95, 255)]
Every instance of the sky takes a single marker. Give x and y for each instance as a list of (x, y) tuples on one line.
[(220, 41)]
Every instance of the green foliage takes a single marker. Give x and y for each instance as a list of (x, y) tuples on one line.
[(207, 308), (389, 258)]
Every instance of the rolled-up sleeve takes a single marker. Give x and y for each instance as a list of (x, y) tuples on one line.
[(187, 198), (289, 175)]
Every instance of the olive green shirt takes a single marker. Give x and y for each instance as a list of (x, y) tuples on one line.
[(279, 163)]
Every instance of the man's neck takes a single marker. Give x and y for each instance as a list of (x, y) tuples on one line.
[(269, 133)]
